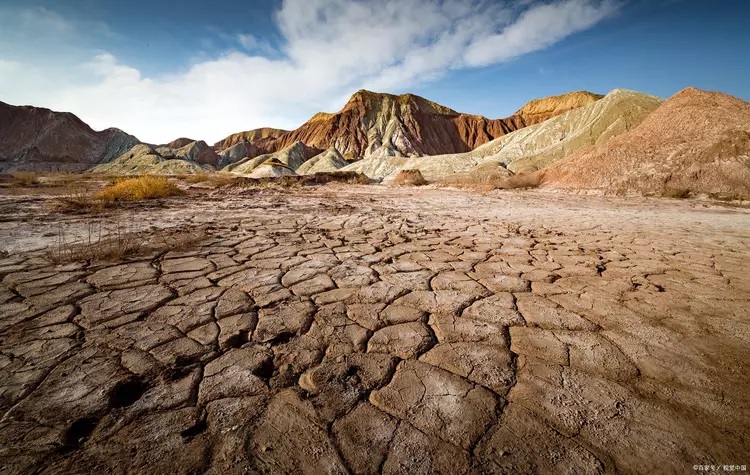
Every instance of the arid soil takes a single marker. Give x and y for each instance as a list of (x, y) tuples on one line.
[(367, 329)]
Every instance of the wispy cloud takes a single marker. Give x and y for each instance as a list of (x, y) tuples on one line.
[(329, 49)]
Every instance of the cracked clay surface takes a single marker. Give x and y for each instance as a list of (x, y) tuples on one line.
[(371, 330)]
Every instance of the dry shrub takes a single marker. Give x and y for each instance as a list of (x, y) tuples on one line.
[(111, 241), (141, 188), (78, 200), (408, 178), (22, 178), (104, 241), (679, 193)]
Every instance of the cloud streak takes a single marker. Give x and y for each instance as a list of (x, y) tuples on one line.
[(330, 48)]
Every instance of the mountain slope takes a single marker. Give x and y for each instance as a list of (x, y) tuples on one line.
[(38, 139), (408, 125), (697, 140), (291, 157), (539, 110), (532, 147), (144, 159), (249, 136), (328, 161)]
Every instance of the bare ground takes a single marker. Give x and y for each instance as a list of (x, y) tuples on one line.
[(364, 329)]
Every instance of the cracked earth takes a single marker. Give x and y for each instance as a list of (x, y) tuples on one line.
[(370, 330)]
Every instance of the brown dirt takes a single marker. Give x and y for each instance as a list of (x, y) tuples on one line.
[(408, 178), (364, 329)]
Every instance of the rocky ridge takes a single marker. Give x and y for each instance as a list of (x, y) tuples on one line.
[(389, 125), (144, 159), (291, 158), (37, 139), (532, 147)]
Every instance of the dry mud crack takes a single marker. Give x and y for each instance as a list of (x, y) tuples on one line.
[(369, 330)]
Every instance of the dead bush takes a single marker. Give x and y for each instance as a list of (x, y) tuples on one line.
[(103, 241), (112, 241), (678, 193), (78, 200), (140, 188)]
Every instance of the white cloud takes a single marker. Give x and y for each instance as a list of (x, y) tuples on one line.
[(253, 44), (331, 48)]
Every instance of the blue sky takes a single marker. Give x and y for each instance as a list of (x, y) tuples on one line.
[(203, 69)]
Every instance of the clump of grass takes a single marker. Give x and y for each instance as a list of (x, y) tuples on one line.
[(140, 188), (21, 178), (678, 193)]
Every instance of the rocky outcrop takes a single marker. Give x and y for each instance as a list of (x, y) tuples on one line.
[(292, 157), (144, 159), (195, 151), (532, 147), (408, 178), (38, 139), (375, 124), (539, 110), (179, 143), (697, 141), (249, 136), (326, 162), (237, 152)]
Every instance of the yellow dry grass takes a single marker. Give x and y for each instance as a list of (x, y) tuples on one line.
[(140, 188)]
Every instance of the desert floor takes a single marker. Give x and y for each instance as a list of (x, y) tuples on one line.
[(368, 329)]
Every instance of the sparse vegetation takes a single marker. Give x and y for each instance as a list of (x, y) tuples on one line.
[(678, 193), (215, 180), (78, 200), (21, 178), (111, 241), (140, 188), (104, 241), (288, 181)]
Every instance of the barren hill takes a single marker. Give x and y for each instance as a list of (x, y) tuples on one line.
[(291, 157), (697, 141), (408, 125), (532, 147), (249, 136), (33, 138), (144, 159)]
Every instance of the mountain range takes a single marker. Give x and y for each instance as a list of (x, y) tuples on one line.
[(624, 141)]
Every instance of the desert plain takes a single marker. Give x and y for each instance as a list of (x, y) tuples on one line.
[(344, 328)]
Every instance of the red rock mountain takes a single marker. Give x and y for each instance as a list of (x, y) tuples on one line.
[(697, 141), (37, 139), (374, 123)]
